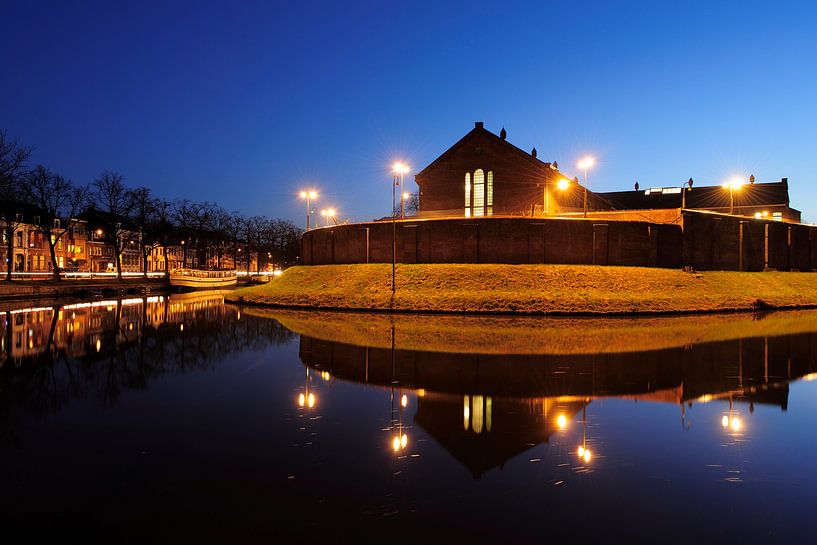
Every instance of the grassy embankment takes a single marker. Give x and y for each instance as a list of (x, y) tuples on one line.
[(533, 289), (536, 334)]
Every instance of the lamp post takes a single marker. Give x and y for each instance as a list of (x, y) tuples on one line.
[(309, 195), (399, 169), (585, 164), (733, 185), (328, 213)]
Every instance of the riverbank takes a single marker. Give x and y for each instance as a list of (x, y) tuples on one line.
[(33, 289), (531, 289)]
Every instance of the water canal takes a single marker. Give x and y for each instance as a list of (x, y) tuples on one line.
[(179, 418)]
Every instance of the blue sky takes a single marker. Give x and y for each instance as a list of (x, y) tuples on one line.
[(245, 103)]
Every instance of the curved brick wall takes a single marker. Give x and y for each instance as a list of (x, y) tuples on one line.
[(497, 240), (707, 242)]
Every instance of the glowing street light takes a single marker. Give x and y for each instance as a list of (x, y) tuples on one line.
[(327, 214), (403, 198), (561, 421), (563, 184), (733, 185), (309, 196), (586, 164), (399, 169)]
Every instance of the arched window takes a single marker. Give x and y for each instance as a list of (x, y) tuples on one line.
[(468, 195), (479, 192), (489, 194)]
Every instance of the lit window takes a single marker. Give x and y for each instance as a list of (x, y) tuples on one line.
[(479, 193), (468, 195), (489, 196)]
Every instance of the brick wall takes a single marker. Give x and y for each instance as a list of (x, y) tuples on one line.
[(497, 240), (703, 241), (723, 242)]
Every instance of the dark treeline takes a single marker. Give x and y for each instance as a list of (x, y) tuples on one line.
[(205, 233)]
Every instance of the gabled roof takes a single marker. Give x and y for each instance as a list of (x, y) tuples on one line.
[(479, 129)]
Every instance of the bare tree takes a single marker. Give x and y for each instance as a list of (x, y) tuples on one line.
[(13, 160), (253, 229), (115, 202), (184, 219), (234, 228), (219, 228), (141, 215), (58, 201), (162, 227)]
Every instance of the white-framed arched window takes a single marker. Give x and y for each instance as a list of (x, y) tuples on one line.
[(479, 195), (479, 192)]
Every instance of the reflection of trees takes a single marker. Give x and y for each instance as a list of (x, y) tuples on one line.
[(132, 353)]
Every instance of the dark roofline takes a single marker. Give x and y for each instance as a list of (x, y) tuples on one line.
[(480, 128)]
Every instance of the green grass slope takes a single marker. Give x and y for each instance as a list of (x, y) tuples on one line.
[(534, 289)]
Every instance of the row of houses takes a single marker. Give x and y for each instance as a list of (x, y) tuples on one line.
[(84, 245)]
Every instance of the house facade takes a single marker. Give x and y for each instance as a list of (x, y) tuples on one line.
[(485, 175)]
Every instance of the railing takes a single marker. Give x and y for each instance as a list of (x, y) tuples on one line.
[(196, 273), (76, 275)]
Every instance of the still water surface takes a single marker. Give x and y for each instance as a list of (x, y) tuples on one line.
[(182, 419)]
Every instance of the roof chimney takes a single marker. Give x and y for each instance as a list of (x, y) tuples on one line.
[(784, 181), (503, 134), (533, 152), (478, 124)]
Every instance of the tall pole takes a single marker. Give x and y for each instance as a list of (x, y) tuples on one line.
[(393, 234), (307, 211), (585, 190), (731, 199)]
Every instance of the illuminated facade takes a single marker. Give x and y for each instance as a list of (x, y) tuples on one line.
[(485, 175)]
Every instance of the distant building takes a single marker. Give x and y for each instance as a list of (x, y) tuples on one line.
[(485, 175), (30, 252), (766, 200)]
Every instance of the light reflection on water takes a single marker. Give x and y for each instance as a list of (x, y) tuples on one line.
[(210, 422)]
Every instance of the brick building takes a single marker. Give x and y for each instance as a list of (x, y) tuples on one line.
[(759, 200), (30, 252), (485, 175)]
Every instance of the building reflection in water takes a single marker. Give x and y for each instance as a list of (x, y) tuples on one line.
[(98, 349), (485, 409)]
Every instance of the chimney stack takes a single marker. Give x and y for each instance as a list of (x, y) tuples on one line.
[(478, 124)]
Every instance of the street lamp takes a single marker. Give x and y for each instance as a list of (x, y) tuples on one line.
[(399, 169), (309, 196), (327, 214), (585, 164), (733, 185), (403, 199)]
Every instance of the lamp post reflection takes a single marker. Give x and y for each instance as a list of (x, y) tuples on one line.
[(731, 421), (583, 451), (307, 399)]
